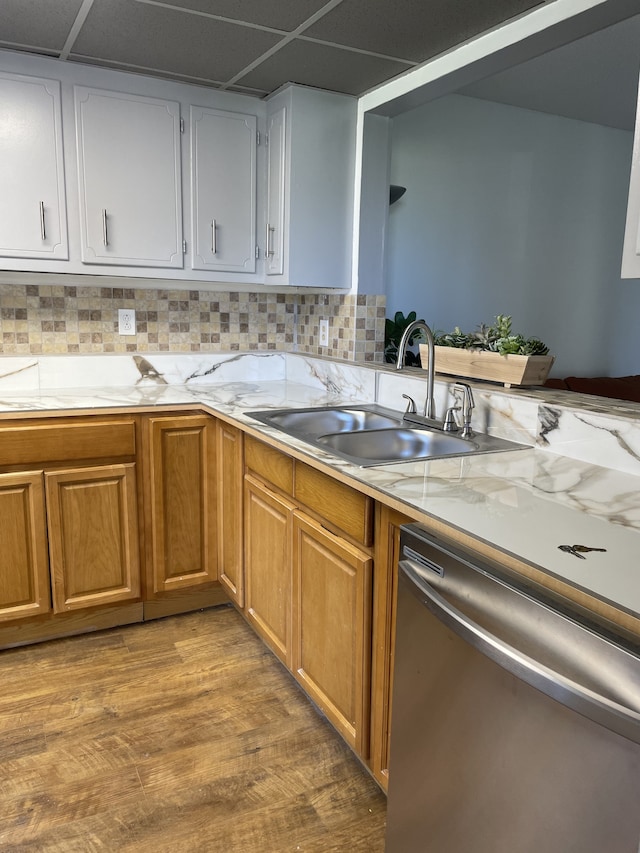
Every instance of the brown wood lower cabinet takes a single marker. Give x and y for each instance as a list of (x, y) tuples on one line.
[(68, 523), (93, 536), (181, 501), (230, 459), (332, 627), (223, 515), (387, 553), (308, 585), (24, 579), (268, 543)]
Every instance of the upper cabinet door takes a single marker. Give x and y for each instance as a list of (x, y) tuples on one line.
[(129, 177), (311, 179), (223, 190), (32, 201), (276, 152)]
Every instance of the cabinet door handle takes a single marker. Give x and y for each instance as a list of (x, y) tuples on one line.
[(43, 230), (214, 242), (269, 252), (105, 233)]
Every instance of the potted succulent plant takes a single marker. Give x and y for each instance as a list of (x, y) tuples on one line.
[(494, 353), (393, 331)]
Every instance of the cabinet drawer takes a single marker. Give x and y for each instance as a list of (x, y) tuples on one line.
[(48, 443), (349, 510), (269, 464)]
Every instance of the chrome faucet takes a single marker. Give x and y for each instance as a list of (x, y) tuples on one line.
[(429, 403)]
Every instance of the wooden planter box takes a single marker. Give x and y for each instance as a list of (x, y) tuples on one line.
[(508, 370)]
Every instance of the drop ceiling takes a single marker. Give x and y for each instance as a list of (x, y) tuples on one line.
[(252, 46), (593, 79)]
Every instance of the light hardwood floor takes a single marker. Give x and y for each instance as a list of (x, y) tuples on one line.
[(183, 734)]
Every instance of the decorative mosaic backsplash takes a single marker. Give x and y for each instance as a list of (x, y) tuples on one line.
[(42, 319), (356, 325)]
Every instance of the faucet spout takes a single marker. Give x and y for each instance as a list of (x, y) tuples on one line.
[(429, 404)]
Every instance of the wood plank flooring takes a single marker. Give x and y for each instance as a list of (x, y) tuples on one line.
[(183, 734)]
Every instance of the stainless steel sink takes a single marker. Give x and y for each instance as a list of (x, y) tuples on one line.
[(321, 421), (395, 445), (370, 435)]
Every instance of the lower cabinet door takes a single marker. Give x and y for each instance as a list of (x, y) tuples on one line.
[(24, 581), (331, 648), (387, 556), (92, 523), (182, 501), (230, 456), (268, 528)]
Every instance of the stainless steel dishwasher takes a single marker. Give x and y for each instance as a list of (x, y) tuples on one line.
[(515, 723)]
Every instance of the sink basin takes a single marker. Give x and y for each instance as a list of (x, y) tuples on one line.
[(378, 446), (321, 421), (368, 435)]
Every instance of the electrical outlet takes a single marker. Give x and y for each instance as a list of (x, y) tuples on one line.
[(126, 321), (324, 333)]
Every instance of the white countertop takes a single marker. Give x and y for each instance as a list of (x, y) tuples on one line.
[(526, 502)]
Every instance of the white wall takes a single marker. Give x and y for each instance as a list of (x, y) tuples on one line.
[(515, 212), (374, 202)]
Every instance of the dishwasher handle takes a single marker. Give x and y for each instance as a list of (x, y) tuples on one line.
[(601, 709)]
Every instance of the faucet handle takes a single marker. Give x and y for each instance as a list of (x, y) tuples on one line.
[(411, 405), (450, 422)]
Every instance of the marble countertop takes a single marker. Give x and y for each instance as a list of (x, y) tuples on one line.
[(526, 502)]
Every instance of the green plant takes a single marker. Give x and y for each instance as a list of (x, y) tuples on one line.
[(495, 338), (393, 332)]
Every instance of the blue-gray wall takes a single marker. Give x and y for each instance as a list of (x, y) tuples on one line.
[(515, 212)]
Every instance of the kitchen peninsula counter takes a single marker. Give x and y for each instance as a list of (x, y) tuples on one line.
[(518, 506)]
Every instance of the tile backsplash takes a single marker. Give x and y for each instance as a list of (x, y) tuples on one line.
[(38, 319), (356, 325)]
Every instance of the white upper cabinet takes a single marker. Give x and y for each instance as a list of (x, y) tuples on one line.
[(104, 151), (312, 146), (129, 179), (223, 190), (274, 237), (32, 199)]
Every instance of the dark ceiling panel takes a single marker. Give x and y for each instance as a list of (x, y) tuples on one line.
[(355, 45), (412, 29), (279, 14), (158, 38), (164, 75), (322, 66), (38, 23)]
